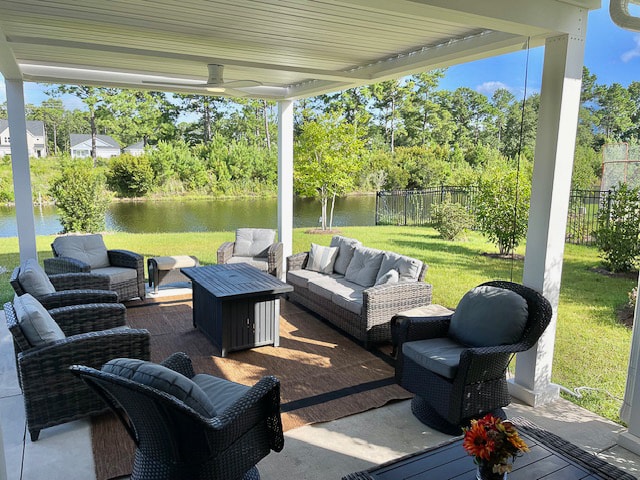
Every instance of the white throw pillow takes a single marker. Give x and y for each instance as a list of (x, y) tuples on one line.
[(322, 259), (36, 323), (34, 280)]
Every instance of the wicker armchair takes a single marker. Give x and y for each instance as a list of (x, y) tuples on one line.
[(176, 442), (473, 383), (52, 395), (255, 246), (70, 289), (87, 253)]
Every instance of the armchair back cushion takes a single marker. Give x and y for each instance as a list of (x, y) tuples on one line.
[(346, 247), (408, 268), (253, 242), (35, 322), (163, 379), (89, 249), (364, 266), (34, 280), (489, 316), (322, 259)]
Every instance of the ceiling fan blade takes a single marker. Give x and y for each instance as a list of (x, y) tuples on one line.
[(237, 84)]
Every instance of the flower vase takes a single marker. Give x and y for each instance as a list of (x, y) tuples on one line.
[(485, 472)]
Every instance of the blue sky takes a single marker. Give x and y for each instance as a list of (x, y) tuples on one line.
[(611, 53)]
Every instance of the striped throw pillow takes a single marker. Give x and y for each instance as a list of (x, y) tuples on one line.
[(321, 259)]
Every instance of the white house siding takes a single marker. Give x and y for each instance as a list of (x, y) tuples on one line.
[(36, 142)]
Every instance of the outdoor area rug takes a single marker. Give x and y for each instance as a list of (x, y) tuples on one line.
[(324, 375)]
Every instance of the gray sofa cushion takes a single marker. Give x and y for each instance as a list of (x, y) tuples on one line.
[(327, 287), (353, 303), (89, 249), (261, 263), (389, 278), (408, 268), (321, 259), (488, 316), (364, 266), (163, 379), (440, 355), (36, 323), (34, 280), (301, 278), (345, 253), (117, 274), (253, 242), (222, 393)]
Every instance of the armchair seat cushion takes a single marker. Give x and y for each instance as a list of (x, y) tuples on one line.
[(36, 323), (117, 274), (253, 242), (222, 393), (89, 249), (261, 263), (439, 355), (488, 316), (163, 379), (302, 277), (34, 280)]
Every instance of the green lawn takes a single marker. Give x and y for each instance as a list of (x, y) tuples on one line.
[(591, 348)]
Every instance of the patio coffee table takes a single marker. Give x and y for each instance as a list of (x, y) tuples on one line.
[(549, 457), (236, 306)]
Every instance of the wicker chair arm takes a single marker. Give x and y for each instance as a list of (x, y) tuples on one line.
[(274, 255), (76, 297), (125, 258), (380, 303), (263, 397), (48, 365), (79, 281), (404, 329), (297, 261), (65, 265), (181, 363), (225, 252), (481, 364), (76, 319)]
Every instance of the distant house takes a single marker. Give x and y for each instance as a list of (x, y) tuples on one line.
[(106, 147), (36, 138), (135, 149)]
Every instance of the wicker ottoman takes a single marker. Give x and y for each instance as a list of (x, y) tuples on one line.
[(165, 270)]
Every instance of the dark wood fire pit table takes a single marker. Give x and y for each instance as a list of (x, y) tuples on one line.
[(236, 306)]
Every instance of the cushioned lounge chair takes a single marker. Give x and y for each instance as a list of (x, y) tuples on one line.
[(456, 364), (255, 246), (88, 253), (189, 426)]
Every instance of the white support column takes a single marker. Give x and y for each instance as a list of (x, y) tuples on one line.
[(21, 174), (555, 144), (630, 410), (285, 176)]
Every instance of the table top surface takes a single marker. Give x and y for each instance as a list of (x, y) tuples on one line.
[(235, 280), (549, 457)]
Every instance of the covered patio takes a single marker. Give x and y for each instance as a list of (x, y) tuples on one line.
[(290, 50)]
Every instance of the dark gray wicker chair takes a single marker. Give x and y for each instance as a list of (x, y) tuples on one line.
[(479, 384), (52, 395), (71, 289), (174, 442), (127, 285), (264, 256)]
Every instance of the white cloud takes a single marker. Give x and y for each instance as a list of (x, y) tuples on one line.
[(633, 53), (487, 88)]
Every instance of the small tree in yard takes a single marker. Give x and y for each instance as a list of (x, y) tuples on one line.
[(327, 159), (618, 233), (451, 219), (502, 211), (81, 197)]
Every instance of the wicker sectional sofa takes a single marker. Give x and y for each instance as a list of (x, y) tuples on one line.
[(361, 290)]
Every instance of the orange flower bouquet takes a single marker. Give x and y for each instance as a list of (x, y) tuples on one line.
[(492, 442)]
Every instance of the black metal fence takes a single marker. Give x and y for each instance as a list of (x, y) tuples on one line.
[(415, 207)]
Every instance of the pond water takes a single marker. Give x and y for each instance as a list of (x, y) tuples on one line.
[(203, 215)]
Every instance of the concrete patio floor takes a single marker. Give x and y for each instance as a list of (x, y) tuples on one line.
[(322, 451)]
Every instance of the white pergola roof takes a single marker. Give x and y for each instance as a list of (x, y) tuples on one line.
[(295, 48)]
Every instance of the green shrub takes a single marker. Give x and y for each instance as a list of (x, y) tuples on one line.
[(81, 197), (451, 219), (618, 232), (131, 176)]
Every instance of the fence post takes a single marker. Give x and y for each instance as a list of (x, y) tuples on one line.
[(406, 197), (377, 206), (441, 192)]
